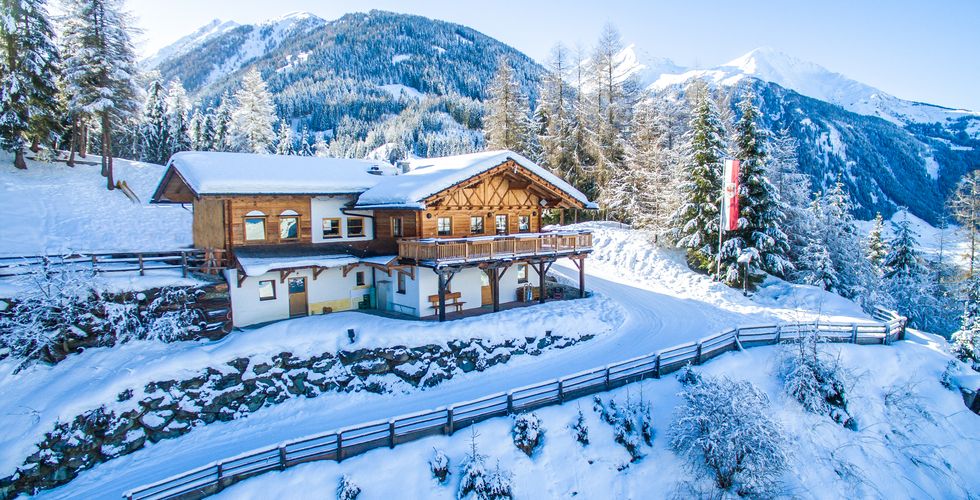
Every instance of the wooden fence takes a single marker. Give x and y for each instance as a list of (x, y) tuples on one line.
[(193, 260), (347, 442)]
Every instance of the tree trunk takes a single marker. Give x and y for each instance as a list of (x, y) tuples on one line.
[(107, 151), (19, 159), (72, 142), (83, 140)]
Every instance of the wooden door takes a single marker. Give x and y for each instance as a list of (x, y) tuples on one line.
[(297, 297), (486, 294)]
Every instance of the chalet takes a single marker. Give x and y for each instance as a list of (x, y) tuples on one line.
[(308, 235)]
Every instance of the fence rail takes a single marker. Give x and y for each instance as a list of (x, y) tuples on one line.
[(191, 260), (346, 442)]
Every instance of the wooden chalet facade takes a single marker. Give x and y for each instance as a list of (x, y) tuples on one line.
[(315, 235)]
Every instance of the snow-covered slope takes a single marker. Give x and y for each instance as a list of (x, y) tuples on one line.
[(54, 208), (914, 440), (813, 80), (189, 42)]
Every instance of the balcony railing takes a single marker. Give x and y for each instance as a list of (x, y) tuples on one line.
[(488, 248)]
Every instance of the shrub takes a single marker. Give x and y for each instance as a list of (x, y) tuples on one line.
[(347, 489), (816, 380), (724, 430), (439, 465), (632, 423), (527, 432), (580, 429), (482, 482)]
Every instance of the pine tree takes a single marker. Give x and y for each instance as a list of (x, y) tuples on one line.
[(794, 192), (305, 148), (221, 123), (645, 191), (876, 245), (554, 117), (100, 68), (697, 220), (153, 130), (199, 131), (906, 279), (845, 245), (507, 125), (320, 147), (28, 76), (251, 126), (284, 140), (760, 214), (178, 126), (966, 341)]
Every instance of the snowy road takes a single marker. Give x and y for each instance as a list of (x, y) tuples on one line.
[(653, 321)]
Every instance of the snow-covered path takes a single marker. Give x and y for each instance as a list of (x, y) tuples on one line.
[(669, 307), (653, 321)]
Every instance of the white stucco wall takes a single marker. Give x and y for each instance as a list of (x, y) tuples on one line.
[(330, 289), (325, 207)]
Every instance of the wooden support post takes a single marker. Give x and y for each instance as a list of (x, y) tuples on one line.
[(183, 263), (510, 403), (561, 391), (656, 373), (220, 469), (442, 295), (449, 420), (607, 378), (340, 446), (142, 272), (738, 342), (581, 278), (391, 434), (697, 358), (282, 458), (854, 334), (495, 288), (541, 273)]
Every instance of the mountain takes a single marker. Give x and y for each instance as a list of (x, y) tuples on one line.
[(189, 42)]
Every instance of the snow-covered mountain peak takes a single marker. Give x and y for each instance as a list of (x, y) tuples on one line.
[(184, 44)]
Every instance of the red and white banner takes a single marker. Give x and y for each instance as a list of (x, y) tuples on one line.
[(729, 202)]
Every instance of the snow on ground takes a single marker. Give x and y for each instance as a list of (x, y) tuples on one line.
[(54, 208), (662, 304), (893, 454), (37, 397), (399, 91)]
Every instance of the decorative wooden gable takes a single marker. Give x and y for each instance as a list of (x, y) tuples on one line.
[(173, 189), (506, 186)]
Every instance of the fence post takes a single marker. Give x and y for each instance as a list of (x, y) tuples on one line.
[(340, 446), (888, 331), (779, 333), (391, 433), (282, 458), (607, 378), (561, 391), (656, 372), (738, 343), (95, 259), (140, 256), (449, 420), (854, 333), (697, 358), (510, 403), (183, 263), (220, 469)]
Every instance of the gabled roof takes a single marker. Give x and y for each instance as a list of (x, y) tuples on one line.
[(214, 173), (428, 176)]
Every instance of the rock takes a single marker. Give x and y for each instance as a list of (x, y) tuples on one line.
[(261, 368), (370, 367), (240, 364)]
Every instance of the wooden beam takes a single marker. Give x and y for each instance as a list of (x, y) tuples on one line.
[(284, 273), (348, 268), (541, 273), (317, 271), (241, 277)]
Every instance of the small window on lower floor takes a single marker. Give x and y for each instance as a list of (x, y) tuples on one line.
[(355, 227), (331, 228), (396, 227), (359, 278), (522, 273), (402, 285), (267, 290)]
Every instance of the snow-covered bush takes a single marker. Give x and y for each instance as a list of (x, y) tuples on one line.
[(724, 429), (479, 480), (527, 432), (688, 375), (439, 465), (347, 489), (946, 379), (632, 423), (169, 317), (57, 298), (580, 429), (816, 379)]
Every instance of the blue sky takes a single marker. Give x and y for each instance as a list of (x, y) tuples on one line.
[(924, 51)]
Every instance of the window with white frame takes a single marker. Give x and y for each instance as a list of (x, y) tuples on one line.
[(476, 224), (524, 223), (444, 226), (254, 226), (396, 227), (402, 283), (522, 273), (501, 224), (267, 290)]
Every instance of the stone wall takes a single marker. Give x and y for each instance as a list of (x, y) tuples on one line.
[(170, 408)]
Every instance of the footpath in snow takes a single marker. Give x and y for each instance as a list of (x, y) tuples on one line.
[(662, 303)]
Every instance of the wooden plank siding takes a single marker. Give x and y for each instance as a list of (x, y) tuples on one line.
[(461, 221), (209, 223), (272, 206)]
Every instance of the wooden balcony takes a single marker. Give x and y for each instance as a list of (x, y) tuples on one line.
[(439, 251)]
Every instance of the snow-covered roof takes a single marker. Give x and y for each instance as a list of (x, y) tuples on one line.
[(428, 176), (258, 260), (243, 173)]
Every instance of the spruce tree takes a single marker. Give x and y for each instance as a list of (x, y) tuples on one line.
[(100, 68), (284, 140), (305, 148), (221, 123), (846, 247), (966, 340), (876, 244), (554, 117), (507, 124), (198, 131), (28, 75), (178, 126), (697, 219), (964, 206), (906, 279), (251, 127), (153, 130), (794, 192), (760, 214)]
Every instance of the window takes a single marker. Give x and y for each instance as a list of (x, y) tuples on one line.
[(401, 283), (445, 226), (267, 290), (359, 278), (396, 226), (476, 225), (522, 273), (501, 224), (331, 228), (288, 228), (524, 223), (254, 228), (355, 226)]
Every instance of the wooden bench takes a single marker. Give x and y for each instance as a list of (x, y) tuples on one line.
[(452, 300)]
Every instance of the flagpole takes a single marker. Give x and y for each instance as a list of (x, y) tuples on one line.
[(721, 219)]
